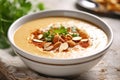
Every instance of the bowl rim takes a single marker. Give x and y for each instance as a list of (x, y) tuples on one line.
[(59, 59)]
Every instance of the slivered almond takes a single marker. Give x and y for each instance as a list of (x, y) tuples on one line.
[(71, 43), (37, 40), (84, 40), (61, 39), (48, 48), (40, 36), (69, 37), (32, 36), (63, 47), (56, 38), (47, 44), (56, 45), (76, 38)]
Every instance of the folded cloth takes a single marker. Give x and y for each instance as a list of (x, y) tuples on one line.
[(13, 68)]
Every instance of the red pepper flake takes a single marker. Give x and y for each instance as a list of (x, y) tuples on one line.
[(39, 44)]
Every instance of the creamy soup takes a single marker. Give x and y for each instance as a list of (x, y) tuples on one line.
[(60, 37)]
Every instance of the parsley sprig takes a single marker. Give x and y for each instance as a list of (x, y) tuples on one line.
[(49, 35), (10, 10)]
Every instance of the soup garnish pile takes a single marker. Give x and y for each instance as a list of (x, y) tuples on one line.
[(60, 38)]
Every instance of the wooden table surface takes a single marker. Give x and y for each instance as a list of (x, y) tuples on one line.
[(107, 69)]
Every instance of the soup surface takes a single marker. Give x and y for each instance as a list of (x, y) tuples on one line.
[(60, 37)]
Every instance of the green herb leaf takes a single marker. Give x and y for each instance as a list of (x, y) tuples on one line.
[(9, 12), (75, 35), (61, 31), (73, 29), (48, 36), (3, 42), (41, 6)]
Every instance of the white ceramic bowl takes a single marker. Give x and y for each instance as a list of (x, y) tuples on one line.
[(60, 67)]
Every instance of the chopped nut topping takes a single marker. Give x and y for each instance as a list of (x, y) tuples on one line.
[(84, 40), (71, 43), (56, 45), (76, 38), (56, 38), (40, 36), (37, 40), (63, 47), (48, 48), (47, 44), (59, 38)]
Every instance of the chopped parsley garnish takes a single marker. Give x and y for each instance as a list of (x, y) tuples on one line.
[(60, 38), (61, 31), (48, 35), (75, 35)]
